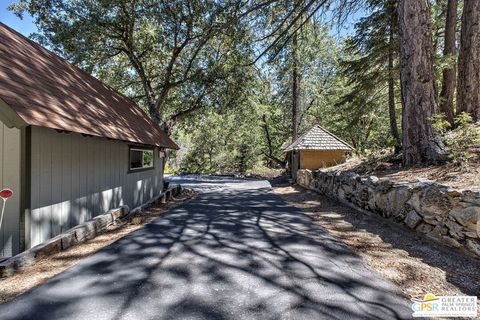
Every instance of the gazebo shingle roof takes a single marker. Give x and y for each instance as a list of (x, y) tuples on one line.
[(318, 138)]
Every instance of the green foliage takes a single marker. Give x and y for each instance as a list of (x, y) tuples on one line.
[(192, 61), (220, 143), (441, 125), (459, 140), (168, 169), (363, 104), (361, 120), (316, 56), (462, 138), (173, 57)]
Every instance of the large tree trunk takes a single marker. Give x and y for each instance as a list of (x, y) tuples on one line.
[(391, 87), (420, 144), (154, 114), (468, 90), (449, 74)]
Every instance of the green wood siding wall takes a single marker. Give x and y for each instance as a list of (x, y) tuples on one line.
[(75, 178), (10, 178)]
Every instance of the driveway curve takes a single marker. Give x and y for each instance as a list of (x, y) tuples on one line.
[(235, 252)]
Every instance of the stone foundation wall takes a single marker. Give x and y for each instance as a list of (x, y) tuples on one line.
[(446, 215)]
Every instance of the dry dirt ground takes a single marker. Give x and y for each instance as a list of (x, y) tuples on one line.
[(416, 265), (389, 167), (55, 264)]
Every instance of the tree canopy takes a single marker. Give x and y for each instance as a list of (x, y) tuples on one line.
[(233, 81)]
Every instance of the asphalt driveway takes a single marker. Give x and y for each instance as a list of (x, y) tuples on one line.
[(236, 252)]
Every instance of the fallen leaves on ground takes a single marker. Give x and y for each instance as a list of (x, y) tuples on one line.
[(388, 167), (416, 265)]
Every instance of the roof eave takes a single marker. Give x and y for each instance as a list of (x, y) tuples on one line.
[(9, 117), (327, 149), (173, 146)]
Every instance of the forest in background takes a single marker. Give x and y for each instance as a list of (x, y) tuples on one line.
[(233, 82)]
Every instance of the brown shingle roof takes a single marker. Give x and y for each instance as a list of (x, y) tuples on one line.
[(47, 91), (318, 138)]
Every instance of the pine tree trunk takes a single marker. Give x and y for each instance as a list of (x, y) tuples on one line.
[(294, 104), (295, 91), (391, 105), (449, 74), (468, 90), (391, 90), (420, 144)]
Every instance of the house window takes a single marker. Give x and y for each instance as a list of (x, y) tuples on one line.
[(141, 158)]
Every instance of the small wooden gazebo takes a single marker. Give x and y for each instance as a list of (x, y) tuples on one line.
[(317, 148)]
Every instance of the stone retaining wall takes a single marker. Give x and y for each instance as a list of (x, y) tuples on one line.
[(444, 214)]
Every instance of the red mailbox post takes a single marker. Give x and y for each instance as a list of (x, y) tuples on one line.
[(4, 194)]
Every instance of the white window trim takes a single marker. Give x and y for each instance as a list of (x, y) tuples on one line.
[(143, 165)]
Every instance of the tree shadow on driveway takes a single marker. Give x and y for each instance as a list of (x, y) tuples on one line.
[(229, 254)]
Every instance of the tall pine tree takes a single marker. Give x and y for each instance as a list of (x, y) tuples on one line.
[(449, 51), (468, 89), (420, 144), (374, 65)]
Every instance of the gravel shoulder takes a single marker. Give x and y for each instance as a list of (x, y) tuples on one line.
[(416, 265)]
